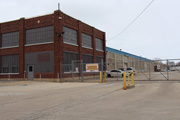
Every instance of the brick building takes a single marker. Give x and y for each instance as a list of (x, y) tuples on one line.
[(41, 43)]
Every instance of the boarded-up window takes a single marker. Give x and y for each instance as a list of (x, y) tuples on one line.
[(40, 35), (44, 57), (42, 61), (10, 39), (86, 40), (70, 36), (10, 64)]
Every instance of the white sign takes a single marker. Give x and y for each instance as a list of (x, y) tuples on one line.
[(77, 69), (158, 67), (125, 68), (92, 67)]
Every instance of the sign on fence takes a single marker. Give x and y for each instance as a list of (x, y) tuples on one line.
[(158, 67), (92, 67)]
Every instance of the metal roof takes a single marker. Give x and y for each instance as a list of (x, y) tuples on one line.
[(108, 49)]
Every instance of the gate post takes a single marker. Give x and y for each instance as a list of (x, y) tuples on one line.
[(167, 70), (124, 80), (82, 71), (60, 72), (102, 69), (149, 71), (72, 71)]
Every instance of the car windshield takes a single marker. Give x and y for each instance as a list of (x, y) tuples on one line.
[(121, 69)]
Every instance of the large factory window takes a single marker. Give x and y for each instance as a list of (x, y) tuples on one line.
[(86, 40), (40, 35), (42, 61), (10, 64), (70, 36), (99, 60), (87, 58), (10, 39), (68, 57), (99, 44)]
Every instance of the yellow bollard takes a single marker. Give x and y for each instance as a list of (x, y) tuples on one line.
[(124, 80), (105, 76), (100, 77), (129, 80), (132, 78)]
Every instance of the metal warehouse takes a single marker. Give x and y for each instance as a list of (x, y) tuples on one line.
[(116, 59), (35, 47)]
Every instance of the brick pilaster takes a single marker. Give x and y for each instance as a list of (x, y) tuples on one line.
[(80, 40), (21, 48), (104, 44), (57, 42), (0, 47), (94, 44)]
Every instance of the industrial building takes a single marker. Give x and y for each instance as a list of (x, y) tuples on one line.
[(116, 59), (35, 47)]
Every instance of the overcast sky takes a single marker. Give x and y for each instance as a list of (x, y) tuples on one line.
[(155, 34)]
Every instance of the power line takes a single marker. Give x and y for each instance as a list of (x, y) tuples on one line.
[(132, 21)]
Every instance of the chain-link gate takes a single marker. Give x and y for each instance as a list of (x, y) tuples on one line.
[(145, 70)]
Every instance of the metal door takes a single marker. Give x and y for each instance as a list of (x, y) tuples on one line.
[(30, 72)]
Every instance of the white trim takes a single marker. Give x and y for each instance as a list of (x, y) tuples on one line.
[(87, 47), (9, 73), (71, 44), (9, 47), (39, 43), (100, 50)]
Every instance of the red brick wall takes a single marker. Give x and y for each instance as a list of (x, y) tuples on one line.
[(58, 46)]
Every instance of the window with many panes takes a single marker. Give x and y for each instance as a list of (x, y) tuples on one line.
[(99, 44), (99, 60), (86, 40), (40, 35), (10, 39), (10, 64), (70, 36), (87, 59), (68, 58)]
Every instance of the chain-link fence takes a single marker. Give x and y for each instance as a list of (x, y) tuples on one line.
[(113, 71), (146, 70), (77, 72)]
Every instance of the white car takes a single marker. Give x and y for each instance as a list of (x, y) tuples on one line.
[(115, 73), (129, 69)]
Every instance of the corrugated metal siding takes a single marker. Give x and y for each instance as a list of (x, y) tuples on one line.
[(42, 61)]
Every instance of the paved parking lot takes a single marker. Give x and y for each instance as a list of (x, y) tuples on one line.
[(90, 101)]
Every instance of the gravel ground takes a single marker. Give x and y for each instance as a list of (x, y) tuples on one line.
[(155, 100)]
